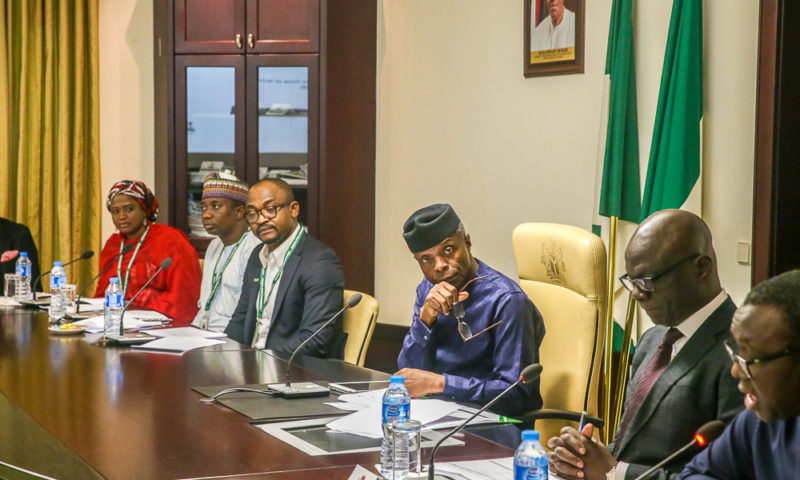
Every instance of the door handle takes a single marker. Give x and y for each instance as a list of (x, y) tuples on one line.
[(251, 41), (238, 40)]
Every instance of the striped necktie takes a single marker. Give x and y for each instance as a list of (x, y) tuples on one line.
[(645, 381)]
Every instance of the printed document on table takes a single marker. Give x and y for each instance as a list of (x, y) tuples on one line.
[(179, 344), (367, 422), (185, 332)]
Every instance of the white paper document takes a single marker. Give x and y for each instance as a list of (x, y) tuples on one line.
[(478, 469), (367, 422), (96, 324), (179, 344), (361, 473), (185, 332)]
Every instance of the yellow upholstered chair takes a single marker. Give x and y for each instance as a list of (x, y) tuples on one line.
[(359, 324), (563, 270)]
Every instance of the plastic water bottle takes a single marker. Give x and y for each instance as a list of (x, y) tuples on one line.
[(396, 408), (530, 460), (24, 270), (113, 307), (58, 278)]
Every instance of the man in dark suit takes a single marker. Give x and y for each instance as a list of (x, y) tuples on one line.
[(680, 369), (292, 285), (15, 238)]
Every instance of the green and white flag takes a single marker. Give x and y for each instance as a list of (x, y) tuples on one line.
[(617, 191), (674, 169)]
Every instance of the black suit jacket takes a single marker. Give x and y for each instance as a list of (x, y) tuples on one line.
[(309, 294), (16, 236), (695, 388)]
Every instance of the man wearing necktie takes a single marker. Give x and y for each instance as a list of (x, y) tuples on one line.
[(680, 369)]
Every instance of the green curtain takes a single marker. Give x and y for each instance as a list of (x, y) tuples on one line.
[(49, 133)]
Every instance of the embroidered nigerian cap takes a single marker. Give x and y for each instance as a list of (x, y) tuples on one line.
[(428, 226), (225, 185)]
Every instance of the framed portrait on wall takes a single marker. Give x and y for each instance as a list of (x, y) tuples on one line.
[(553, 40)]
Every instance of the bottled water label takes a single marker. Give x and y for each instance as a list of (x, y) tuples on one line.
[(538, 472), (395, 413), (57, 281), (113, 300), (23, 270)]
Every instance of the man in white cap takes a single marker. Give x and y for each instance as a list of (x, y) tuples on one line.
[(223, 204)]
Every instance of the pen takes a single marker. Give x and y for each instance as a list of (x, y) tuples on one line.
[(581, 423)]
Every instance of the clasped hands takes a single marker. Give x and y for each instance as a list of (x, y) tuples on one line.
[(578, 455)]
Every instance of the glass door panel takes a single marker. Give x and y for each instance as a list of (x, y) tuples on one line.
[(210, 132)]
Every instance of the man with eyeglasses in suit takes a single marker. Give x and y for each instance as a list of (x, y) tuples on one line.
[(762, 442), (679, 373), (292, 285)]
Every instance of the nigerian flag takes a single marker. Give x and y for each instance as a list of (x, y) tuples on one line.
[(617, 193), (673, 170)]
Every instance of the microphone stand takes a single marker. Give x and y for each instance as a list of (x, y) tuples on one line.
[(537, 370), (84, 256), (127, 248), (308, 389)]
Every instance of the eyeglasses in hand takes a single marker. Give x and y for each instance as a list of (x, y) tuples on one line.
[(458, 311)]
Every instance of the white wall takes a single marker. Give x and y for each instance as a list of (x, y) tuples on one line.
[(126, 94), (458, 123)]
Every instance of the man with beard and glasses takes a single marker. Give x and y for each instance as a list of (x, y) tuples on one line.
[(440, 357), (223, 202), (762, 442), (292, 284)]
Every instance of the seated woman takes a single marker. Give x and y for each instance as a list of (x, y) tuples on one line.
[(173, 292)]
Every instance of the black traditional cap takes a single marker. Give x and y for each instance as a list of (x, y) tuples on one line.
[(428, 226)]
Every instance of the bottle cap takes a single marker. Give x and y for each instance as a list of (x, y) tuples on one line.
[(23, 254), (531, 435), (397, 379), (57, 263), (113, 280)]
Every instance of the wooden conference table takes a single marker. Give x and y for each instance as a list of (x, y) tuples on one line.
[(72, 410)]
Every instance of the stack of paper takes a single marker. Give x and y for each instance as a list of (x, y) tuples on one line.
[(185, 332), (367, 421), (179, 344), (132, 321)]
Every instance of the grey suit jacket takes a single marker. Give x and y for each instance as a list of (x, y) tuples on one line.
[(695, 388), (309, 294)]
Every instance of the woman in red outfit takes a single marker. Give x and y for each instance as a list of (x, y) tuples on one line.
[(173, 292)]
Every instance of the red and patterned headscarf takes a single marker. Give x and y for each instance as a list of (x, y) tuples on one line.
[(139, 191)]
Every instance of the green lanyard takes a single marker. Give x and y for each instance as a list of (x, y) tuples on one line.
[(130, 264), (216, 278), (264, 299)]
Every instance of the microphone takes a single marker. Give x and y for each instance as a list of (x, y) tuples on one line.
[(308, 389), (704, 435), (528, 375), (133, 339), (84, 256), (127, 248)]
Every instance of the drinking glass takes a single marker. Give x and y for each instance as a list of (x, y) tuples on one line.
[(406, 442), (68, 296), (10, 285)]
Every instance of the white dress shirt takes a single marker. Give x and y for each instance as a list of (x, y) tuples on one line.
[(227, 296), (545, 36), (272, 261), (688, 328)]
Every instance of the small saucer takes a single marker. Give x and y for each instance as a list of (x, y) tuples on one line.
[(66, 329)]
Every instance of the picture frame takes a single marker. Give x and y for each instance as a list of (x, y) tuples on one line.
[(553, 48)]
